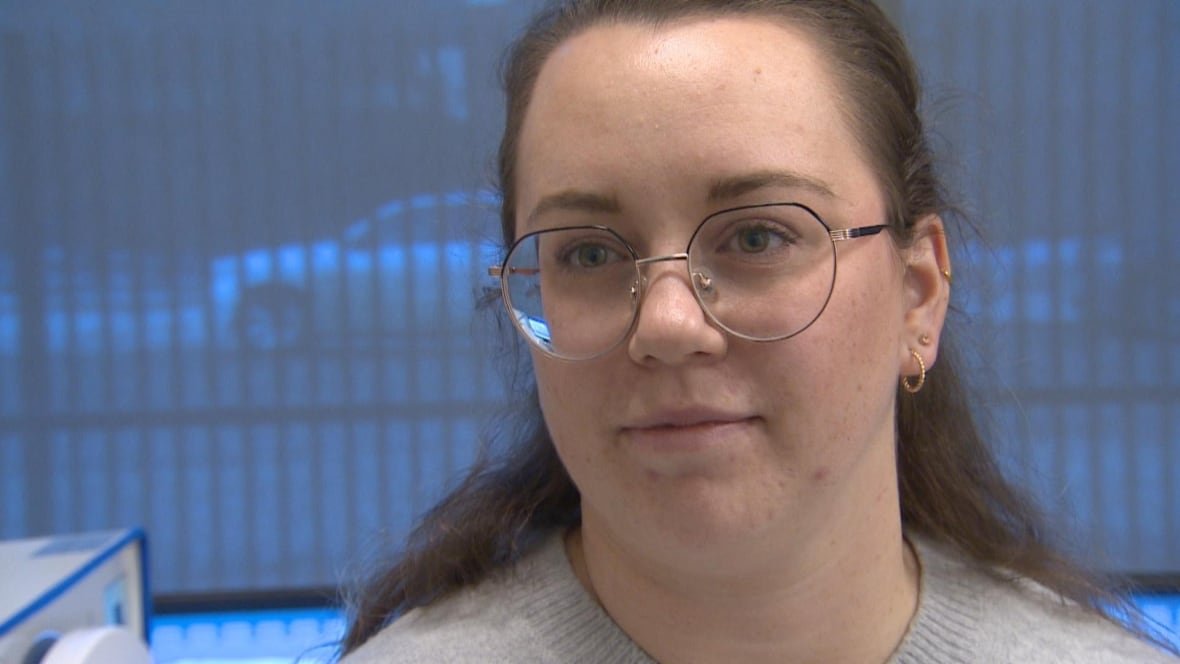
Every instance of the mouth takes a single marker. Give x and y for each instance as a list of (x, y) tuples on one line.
[(685, 418), (688, 430)]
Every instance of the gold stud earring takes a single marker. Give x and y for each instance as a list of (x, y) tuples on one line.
[(913, 387), (924, 339), (947, 273)]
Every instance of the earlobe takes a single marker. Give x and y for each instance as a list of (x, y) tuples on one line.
[(927, 284)]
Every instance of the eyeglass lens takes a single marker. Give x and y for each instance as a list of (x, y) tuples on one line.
[(761, 273)]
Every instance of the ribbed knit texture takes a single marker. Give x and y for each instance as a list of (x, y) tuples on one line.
[(539, 612)]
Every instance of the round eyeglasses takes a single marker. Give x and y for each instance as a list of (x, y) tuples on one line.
[(759, 272)]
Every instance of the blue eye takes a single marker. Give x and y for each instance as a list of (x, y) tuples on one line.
[(753, 240), (757, 237), (591, 255)]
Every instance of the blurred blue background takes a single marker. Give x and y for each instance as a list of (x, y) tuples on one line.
[(240, 245)]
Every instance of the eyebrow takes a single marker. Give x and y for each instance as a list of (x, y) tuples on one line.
[(576, 201), (735, 186), (721, 190)]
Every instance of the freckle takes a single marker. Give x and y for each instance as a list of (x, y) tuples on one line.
[(820, 474)]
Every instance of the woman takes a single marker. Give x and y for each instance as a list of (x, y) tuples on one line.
[(728, 258)]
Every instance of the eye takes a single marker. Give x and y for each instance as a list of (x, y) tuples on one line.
[(755, 237), (591, 255), (754, 240)]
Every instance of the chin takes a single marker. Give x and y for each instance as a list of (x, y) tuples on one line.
[(699, 516)]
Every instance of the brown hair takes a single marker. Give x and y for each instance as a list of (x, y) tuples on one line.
[(951, 489)]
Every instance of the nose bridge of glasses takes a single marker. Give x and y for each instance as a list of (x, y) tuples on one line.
[(661, 259), (699, 282), (641, 263)]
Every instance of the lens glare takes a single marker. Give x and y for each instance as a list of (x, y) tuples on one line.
[(570, 290)]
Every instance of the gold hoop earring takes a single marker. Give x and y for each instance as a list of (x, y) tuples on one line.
[(913, 387)]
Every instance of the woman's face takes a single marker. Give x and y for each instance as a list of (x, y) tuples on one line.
[(684, 437)]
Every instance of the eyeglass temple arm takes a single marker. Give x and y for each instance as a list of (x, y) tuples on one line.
[(853, 233)]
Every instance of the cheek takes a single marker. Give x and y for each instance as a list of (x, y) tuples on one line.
[(865, 340), (550, 389), (570, 395), (572, 405), (845, 364)]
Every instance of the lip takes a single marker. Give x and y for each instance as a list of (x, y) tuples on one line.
[(685, 418), (687, 429)]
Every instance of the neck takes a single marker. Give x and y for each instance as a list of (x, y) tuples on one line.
[(848, 595)]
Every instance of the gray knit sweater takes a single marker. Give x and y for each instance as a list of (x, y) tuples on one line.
[(539, 612)]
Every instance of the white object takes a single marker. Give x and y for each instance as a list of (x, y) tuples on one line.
[(58, 585), (99, 645)]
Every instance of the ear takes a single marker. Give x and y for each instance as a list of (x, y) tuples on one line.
[(927, 285)]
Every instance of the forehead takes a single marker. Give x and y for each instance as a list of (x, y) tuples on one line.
[(634, 110), (698, 60), (688, 48)]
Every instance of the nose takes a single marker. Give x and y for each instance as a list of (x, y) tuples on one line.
[(671, 327)]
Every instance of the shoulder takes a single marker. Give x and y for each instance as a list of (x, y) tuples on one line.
[(534, 611), (967, 614)]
